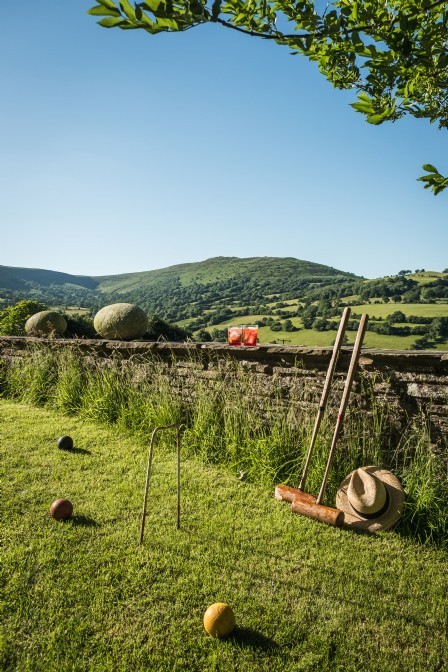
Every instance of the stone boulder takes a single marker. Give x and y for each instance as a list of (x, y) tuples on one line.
[(45, 323), (121, 321)]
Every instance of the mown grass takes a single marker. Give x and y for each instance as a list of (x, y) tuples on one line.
[(82, 595)]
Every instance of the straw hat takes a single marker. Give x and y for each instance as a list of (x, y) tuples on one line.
[(371, 498)]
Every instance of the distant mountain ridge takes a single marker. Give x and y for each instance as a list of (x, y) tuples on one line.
[(17, 278), (213, 269), (180, 291)]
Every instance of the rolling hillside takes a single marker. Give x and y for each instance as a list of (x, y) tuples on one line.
[(300, 299), (181, 291), (20, 279)]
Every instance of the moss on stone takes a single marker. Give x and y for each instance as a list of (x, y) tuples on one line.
[(121, 321), (45, 323)]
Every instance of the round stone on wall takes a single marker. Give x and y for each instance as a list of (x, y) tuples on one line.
[(45, 323), (121, 321)]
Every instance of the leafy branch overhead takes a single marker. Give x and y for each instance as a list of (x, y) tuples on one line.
[(393, 53)]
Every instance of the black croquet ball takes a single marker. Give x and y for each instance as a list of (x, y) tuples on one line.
[(65, 443)]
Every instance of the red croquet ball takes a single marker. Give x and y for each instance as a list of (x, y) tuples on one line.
[(61, 509)]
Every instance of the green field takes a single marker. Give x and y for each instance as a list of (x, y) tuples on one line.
[(427, 276), (83, 595), (309, 337), (420, 309)]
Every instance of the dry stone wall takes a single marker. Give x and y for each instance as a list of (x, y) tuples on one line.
[(409, 382)]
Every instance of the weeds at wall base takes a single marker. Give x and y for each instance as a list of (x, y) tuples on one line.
[(225, 425)]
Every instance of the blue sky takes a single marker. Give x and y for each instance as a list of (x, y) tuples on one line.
[(123, 152)]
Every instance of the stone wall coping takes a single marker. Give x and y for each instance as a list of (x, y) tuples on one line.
[(279, 355)]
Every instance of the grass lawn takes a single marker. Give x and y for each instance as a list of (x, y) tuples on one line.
[(82, 595)]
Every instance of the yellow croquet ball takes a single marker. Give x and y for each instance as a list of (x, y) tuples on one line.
[(219, 620)]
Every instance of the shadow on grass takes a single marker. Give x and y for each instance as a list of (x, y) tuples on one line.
[(417, 527), (80, 451), (83, 521), (252, 638)]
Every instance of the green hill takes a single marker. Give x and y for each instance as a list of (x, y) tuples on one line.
[(22, 278), (188, 290), (181, 291), (300, 299)]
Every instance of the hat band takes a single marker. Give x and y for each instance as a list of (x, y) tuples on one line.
[(377, 514)]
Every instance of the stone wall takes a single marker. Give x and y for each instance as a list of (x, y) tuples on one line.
[(409, 382)]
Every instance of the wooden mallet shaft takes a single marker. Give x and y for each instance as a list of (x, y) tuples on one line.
[(325, 514)]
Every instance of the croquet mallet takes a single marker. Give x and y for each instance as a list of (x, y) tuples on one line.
[(284, 492), (306, 503)]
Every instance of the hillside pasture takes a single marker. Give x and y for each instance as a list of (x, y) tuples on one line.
[(426, 276), (383, 310)]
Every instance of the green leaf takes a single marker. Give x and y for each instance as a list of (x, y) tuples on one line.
[(127, 9), (169, 24), (376, 119), (103, 11), (111, 22), (108, 3), (430, 168), (153, 5), (364, 108)]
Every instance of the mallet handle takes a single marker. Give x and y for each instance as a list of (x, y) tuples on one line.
[(347, 389), (325, 391)]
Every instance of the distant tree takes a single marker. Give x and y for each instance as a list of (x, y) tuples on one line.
[(321, 324), (412, 296), (79, 326), (423, 343), (203, 336), (404, 272), (439, 327), (288, 326), (13, 318), (158, 329), (396, 317), (219, 335)]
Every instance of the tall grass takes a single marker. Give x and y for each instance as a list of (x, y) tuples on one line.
[(231, 422)]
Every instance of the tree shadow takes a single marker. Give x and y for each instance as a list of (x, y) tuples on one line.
[(83, 521), (252, 638)]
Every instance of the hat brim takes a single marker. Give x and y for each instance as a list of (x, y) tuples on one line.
[(387, 518)]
